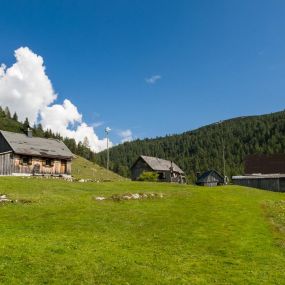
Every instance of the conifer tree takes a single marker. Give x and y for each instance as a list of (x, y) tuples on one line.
[(15, 117), (26, 124), (7, 112)]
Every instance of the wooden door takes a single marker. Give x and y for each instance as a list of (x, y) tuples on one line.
[(63, 166)]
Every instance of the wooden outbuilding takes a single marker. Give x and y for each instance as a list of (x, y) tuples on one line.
[(167, 170), (271, 182), (263, 171), (210, 178), (22, 154)]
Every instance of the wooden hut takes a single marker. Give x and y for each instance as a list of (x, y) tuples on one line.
[(167, 170), (22, 154), (210, 178), (264, 172)]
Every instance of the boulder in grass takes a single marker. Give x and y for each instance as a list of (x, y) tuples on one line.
[(3, 198), (100, 198), (136, 196)]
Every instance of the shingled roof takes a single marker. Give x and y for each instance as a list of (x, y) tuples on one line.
[(50, 148), (210, 176), (158, 164)]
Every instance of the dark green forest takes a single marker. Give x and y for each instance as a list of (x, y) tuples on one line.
[(202, 149)]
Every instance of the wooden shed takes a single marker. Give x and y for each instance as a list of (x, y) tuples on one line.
[(167, 170), (24, 154), (210, 178), (271, 182), (263, 171)]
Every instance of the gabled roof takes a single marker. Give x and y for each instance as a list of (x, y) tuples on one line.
[(159, 164), (207, 175), (22, 144)]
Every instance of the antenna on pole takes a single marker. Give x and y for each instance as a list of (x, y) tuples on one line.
[(107, 131), (223, 150)]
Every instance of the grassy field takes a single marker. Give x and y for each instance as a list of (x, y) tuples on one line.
[(85, 169), (221, 235)]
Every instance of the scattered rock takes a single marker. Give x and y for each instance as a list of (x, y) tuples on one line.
[(3, 198), (100, 198), (85, 180), (136, 196), (131, 196)]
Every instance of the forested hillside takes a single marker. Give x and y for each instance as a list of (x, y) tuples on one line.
[(201, 149)]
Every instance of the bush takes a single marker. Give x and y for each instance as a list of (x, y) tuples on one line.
[(148, 176)]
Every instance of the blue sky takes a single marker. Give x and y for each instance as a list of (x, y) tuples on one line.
[(213, 59)]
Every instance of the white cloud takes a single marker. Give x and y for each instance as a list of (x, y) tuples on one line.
[(126, 135), (97, 124), (26, 89), (153, 79)]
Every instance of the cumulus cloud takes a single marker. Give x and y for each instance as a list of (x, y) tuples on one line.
[(26, 89), (126, 135), (153, 79)]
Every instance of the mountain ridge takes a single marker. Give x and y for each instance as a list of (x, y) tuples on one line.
[(201, 149)]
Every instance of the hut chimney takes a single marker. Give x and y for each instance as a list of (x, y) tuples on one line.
[(29, 133)]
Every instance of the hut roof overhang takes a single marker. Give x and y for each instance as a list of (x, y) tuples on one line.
[(35, 146), (159, 164)]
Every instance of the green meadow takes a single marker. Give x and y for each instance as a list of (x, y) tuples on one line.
[(57, 233)]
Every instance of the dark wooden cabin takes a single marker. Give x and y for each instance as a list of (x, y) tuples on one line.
[(167, 170), (210, 178), (22, 154)]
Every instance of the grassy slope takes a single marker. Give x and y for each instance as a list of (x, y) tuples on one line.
[(82, 168), (192, 236)]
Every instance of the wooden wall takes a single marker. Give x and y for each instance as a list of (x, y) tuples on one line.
[(272, 184), (5, 163), (12, 163)]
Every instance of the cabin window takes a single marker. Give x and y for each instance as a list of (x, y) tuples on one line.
[(48, 162), (26, 160)]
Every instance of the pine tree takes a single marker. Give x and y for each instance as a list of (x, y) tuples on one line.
[(26, 124), (7, 112), (15, 117)]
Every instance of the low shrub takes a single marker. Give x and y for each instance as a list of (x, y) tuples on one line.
[(148, 176)]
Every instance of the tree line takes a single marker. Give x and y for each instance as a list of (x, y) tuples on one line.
[(202, 149)]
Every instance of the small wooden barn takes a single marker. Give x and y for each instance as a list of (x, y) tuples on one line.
[(264, 172), (271, 182), (210, 178), (24, 154), (167, 170)]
